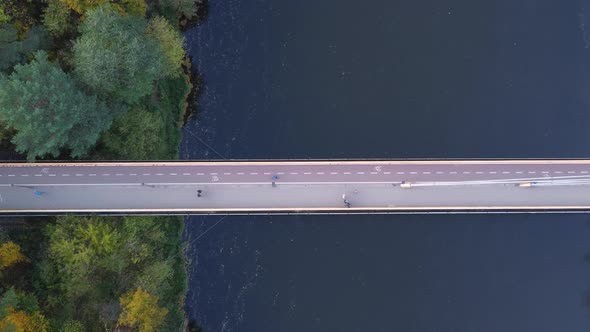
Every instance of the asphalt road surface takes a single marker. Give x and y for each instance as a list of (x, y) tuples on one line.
[(294, 186)]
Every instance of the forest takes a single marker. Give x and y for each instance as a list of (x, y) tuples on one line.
[(93, 80)]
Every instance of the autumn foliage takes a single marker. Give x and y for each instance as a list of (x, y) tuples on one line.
[(10, 254)]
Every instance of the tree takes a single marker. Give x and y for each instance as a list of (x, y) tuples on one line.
[(49, 112), (23, 321), (10, 254), (137, 135), (114, 57), (57, 17), (141, 311), (133, 7), (171, 44), (3, 17), (13, 50)]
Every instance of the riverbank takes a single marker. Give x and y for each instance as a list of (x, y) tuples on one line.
[(97, 273)]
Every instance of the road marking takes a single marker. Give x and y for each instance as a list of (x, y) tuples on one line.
[(531, 172), (545, 172), (493, 172), (226, 173), (557, 172), (413, 172), (265, 173), (386, 172), (401, 172), (584, 172), (173, 174), (24, 175), (212, 173), (281, 173), (11, 175), (518, 172), (79, 174), (253, 173), (197, 174), (374, 173), (294, 173), (38, 174), (182, 174), (466, 172), (452, 172), (346, 173), (505, 172), (89, 174), (307, 173), (571, 172), (478, 172), (133, 174), (240, 173), (119, 174), (156, 174), (425, 172), (439, 172), (320, 173), (145, 174), (65, 175), (360, 172), (107, 174)]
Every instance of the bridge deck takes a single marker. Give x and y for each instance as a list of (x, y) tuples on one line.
[(322, 186)]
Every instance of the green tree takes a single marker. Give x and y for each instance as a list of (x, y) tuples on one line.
[(186, 8), (114, 57), (141, 311), (137, 135), (57, 17), (3, 17), (133, 7), (171, 44), (13, 50), (49, 112)]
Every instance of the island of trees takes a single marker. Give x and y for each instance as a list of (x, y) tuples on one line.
[(93, 80)]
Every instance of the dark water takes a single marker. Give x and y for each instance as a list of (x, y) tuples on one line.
[(391, 79)]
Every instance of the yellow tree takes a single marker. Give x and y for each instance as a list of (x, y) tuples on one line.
[(133, 7), (141, 311), (10, 254), (20, 321)]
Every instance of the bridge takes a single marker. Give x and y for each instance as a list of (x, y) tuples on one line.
[(282, 187)]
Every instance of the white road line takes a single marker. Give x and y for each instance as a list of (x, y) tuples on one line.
[(320, 173), (401, 172), (413, 172), (518, 172), (425, 172), (107, 174), (156, 174), (584, 172), (531, 172), (307, 173), (173, 174), (545, 172), (439, 172), (346, 173), (360, 172), (478, 172), (226, 173), (38, 174), (79, 174), (466, 172), (92, 174), (281, 173), (374, 173), (557, 172), (212, 173), (119, 174), (197, 174), (11, 175), (386, 172), (493, 172), (240, 173), (505, 172), (182, 174), (145, 174), (294, 173), (571, 172), (253, 173), (65, 175), (133, 174), (266, 173), (24, 175)]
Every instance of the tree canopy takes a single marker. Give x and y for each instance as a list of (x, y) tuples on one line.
[(114, 57), (13, 50), (141, 311), (49, 112), (171, 43), (133, 7), (10, 254)]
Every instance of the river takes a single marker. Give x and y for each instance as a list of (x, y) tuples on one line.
[(391, 79)]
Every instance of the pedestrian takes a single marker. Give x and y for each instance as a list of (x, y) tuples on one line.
[(37, 193)]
